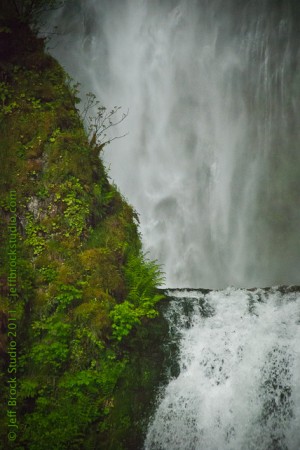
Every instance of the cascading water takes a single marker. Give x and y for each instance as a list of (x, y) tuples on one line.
[(238, 386), (212, 165), (211, 161)]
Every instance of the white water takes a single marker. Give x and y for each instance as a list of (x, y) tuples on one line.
[(211, 162), (239, 384)]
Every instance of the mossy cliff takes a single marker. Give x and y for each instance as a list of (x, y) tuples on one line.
[(77, 295)]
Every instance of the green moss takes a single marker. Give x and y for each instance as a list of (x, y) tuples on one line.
[(84, 288)]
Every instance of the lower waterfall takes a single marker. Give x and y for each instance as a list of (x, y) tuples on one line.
[(236, 384)]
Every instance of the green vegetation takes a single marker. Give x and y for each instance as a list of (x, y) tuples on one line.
[(86, 294), (142, 276)]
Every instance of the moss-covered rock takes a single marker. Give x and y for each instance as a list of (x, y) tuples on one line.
[(84, 295)]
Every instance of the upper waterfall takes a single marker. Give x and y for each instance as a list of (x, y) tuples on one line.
[(211, 161)]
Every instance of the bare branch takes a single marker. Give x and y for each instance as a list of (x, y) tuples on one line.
[(112, 124), (114, 138)]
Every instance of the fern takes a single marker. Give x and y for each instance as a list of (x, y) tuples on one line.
[(142, 276)]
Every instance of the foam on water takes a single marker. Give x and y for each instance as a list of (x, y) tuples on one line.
[(239, 362)]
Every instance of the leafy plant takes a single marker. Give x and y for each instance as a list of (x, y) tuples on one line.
[(48, 273), (67, 296), (7, 103), (34, 232), (124, 317), (72, 194), (54, 135), (50, 349)]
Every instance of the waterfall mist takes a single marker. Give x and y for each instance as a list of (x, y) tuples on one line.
[(211, 162)]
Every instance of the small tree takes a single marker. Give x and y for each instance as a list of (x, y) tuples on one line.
[(98, 120)]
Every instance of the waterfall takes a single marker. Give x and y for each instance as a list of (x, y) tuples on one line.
[(211, 160), (211, 163), (237, 384)]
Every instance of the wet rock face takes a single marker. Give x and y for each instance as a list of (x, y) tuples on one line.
[(136, 393), (35, 207)]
